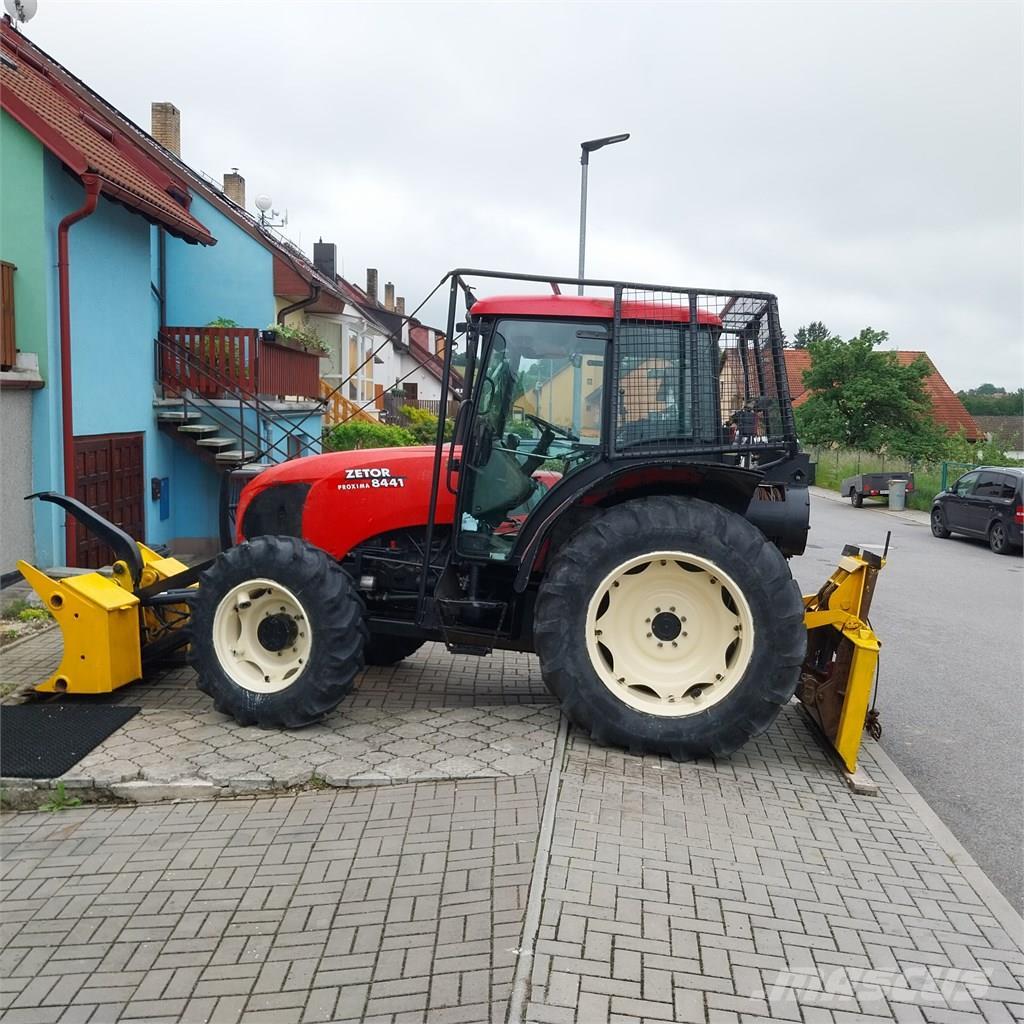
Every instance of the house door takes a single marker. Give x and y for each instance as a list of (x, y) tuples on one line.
[(109, 479)]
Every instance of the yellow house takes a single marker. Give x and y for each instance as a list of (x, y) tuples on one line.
[(553, 399)]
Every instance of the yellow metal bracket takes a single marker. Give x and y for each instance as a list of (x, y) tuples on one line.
[(105, 626), (100, 624), (842, 652)]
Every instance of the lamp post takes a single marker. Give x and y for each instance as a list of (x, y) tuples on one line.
[(588, 148)]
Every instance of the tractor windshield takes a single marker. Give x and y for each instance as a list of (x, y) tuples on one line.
[(538, 408)]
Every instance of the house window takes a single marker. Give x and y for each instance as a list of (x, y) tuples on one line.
[(8, 348)]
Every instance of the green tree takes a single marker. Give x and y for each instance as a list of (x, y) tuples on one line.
[(814, 331), (993, 403), (864, 399)]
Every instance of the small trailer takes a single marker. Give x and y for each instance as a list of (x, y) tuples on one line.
[(872, 485)]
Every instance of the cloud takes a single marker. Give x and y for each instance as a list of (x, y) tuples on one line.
[(863, 161)]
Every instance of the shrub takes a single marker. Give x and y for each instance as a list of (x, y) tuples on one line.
[(423, 425), (346, 437)]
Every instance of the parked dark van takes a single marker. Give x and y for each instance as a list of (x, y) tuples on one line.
[(986, 502)]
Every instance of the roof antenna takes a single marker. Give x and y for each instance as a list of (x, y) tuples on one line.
[(21, 10)]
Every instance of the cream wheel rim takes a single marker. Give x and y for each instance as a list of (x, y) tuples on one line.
[(261, 636), (669, 633)]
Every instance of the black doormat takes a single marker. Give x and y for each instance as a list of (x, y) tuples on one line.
[(42, 741)]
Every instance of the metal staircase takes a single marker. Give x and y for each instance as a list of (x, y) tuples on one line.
[(220, 442), (208, 399)]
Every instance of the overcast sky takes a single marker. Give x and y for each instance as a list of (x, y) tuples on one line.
[(861, 160)]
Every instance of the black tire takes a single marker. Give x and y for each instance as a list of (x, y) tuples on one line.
[(939, 525), (734, 546), (329, 601), (999, 539), (856, 500), (382, 649)]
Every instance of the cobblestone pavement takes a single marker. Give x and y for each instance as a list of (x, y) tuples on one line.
[(598, 888), (752, 889), (380, 904), (431, 717)]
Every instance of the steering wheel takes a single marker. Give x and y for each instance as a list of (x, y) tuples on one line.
[(544, 426)]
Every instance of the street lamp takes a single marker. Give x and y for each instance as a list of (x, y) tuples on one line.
[(588, 148)]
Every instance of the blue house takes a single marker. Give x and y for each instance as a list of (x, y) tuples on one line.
[(142, 292)]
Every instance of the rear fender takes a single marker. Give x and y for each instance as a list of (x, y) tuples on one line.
[(594, 487)]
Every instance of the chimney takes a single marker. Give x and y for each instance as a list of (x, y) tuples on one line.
[(400, 305), (439, 344), (165, 126), (325, 258), (389, 296), (371, 284), (234, 187)]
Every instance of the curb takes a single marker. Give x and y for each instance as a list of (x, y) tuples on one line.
[(906, 515), (999, 906)]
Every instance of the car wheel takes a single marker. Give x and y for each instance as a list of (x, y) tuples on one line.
[(939, 524), (999, 539), (856, 500), (277, 633), (670, 626)]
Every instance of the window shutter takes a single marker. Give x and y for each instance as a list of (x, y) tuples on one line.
[(8, 348)]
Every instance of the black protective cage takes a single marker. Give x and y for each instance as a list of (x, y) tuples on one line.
[(694, 373)]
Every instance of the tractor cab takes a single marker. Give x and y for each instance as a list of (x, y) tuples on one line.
[(542, 398)]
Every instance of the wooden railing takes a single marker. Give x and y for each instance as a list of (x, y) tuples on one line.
[(215, 362), (339, 409), (286, 371)]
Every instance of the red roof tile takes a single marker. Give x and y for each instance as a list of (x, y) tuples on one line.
[(31, 92), (947, 410)]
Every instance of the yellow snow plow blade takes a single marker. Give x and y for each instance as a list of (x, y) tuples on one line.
[(106, 627), (842, 653)]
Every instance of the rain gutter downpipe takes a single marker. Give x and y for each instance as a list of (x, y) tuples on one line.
[(314, 294), (92, 195)]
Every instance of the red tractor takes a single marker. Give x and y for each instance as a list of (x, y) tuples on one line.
[(601, 504)]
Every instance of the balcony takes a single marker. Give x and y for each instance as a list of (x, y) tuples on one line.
[(224, 362)]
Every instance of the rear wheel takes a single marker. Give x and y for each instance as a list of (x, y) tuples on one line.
[(939, 525), (382, 649), (670, 626), (999, 539), (277, 633), (856, 500)]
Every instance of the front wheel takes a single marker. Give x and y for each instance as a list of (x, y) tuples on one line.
[(939, 525), (670, 626), (277, 633)]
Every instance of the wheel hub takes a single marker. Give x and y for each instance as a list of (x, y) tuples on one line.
[(669, 633), (666, 626), (276, 632), (262, 636)]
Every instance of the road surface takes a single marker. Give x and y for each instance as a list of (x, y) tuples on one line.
[(950, 614)]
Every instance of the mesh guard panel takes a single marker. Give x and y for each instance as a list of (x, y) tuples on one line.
[(694, 372)]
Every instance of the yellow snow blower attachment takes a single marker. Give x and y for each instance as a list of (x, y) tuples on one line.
[(113, 624), (842, 653)]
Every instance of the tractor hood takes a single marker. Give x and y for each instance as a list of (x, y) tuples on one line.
[(340, 499)]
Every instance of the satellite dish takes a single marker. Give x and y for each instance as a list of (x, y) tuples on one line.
[(263, 201), (21, 10)]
